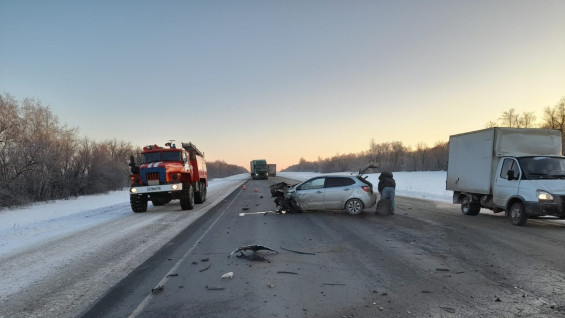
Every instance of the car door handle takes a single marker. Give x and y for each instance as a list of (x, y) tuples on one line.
[(318, 192), (346, 189)]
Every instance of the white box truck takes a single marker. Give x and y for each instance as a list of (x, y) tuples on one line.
[(520, 171)]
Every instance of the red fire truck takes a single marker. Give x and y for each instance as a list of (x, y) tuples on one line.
[(168, 173)]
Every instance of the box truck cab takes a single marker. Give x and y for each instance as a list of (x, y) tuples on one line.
[(517, 170)]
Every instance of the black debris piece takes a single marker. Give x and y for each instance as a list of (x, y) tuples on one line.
[(298, 252), (157, 289), (205, 269), (285, 272), (450, 310), (214, 288), (254, 257), (172, 275)]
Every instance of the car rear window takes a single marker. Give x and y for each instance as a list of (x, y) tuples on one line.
[(332, 182), (365, 181)]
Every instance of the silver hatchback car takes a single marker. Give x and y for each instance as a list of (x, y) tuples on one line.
[(349, 193)]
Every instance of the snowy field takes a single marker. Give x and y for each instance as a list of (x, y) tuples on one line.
[(25, 227)]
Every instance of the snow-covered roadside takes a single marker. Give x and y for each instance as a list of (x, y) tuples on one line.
[(24, 227)]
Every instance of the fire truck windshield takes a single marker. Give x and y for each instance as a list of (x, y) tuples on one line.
[(161, 156)]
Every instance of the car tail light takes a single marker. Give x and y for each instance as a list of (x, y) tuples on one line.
[(366, 188)]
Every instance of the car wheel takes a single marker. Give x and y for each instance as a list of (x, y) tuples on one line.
[(354, 206), (518, 214)]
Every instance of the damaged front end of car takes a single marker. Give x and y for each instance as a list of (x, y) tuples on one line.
[(285, 203)]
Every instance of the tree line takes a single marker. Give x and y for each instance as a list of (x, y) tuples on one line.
[(221, 169), (394, 156), (42, 159)]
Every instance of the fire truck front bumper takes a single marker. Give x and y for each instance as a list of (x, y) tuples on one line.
[(156, 188)]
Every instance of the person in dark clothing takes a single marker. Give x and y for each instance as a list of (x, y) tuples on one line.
[(387, 186)]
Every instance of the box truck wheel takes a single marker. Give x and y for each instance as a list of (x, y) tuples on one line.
[(518, 214), (468, 207)]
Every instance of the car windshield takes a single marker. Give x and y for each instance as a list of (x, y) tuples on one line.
[(543, 167), (161, 156)]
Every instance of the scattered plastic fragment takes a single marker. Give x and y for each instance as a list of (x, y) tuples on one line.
[(228, 275)]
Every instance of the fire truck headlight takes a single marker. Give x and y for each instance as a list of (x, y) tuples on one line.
[(175, 187), (133, 190)]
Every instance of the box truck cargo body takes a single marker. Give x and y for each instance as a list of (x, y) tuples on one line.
[(506, 169)]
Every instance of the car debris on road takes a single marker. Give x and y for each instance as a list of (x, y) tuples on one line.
[(254, 248)]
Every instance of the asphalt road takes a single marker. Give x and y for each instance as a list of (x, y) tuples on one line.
[(427, 260)]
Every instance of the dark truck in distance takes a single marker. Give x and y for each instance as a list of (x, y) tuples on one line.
[(168, 173), (258, 169)]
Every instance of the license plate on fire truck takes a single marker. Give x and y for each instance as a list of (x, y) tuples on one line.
[(160, 188)]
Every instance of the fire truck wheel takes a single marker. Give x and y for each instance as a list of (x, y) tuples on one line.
[(200, 196), (138, 203), (187, 197)]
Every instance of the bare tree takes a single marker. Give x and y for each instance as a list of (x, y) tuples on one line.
[(491, 124), (527, 120), (509, 118), (554, 117)]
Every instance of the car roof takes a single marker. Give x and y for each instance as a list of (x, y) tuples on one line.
[(332, 176)]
